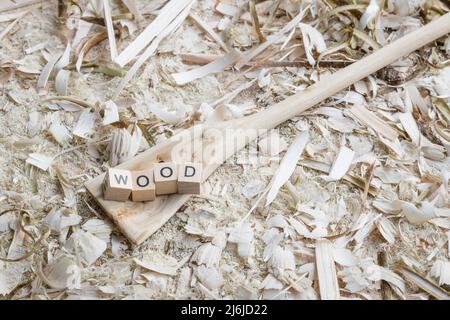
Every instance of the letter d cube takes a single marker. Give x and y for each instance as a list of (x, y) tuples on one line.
[(190, 178)]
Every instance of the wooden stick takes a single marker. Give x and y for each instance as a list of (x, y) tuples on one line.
[(202, 143)]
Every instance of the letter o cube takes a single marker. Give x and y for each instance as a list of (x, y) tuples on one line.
[(143, 186), (166, 175)]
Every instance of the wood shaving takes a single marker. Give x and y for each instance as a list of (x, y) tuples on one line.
[(326, 271), (356, 205), (342, 163), (287, 165)]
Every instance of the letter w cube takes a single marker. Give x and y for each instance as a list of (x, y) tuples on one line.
[(117, 185)]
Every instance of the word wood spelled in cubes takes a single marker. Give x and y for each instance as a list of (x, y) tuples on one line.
[(163, 178)]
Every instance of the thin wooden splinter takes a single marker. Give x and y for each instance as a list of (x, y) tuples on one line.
[(144, 188)]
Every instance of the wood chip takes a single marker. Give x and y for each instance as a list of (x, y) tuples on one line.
[(227, 9), (410, 126), (369, 119), (62, 82), (110, 29), (89, 247), (111, 113), (39, 160), (248, 56), (152, 48), (11, 25), (132, 6), (424, 283), (342, 163), (209, 31), (45, 74), (213, 67)]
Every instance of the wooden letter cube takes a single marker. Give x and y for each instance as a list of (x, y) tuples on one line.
[(190, 178), (143, 186), (166, 178), (117, 185)]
